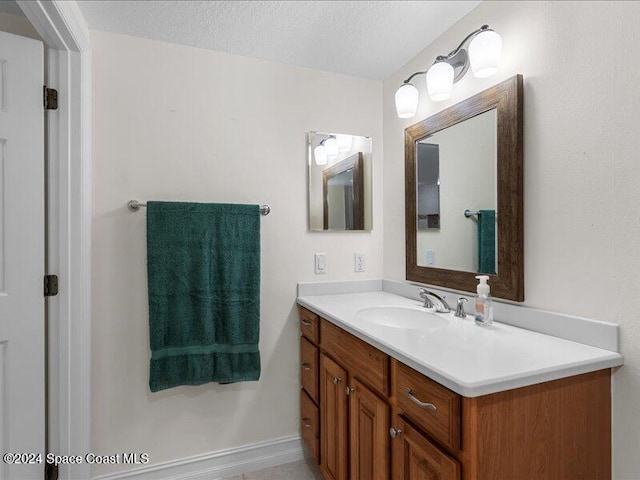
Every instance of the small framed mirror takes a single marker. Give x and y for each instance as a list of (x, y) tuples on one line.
[(339, 182), (463, 194)]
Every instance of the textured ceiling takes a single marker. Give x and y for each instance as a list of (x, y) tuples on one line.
[(370, 39)]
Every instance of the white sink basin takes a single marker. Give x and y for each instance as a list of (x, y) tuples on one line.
[(408, 318)]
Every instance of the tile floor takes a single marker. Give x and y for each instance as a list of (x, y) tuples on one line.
[(302, 470)]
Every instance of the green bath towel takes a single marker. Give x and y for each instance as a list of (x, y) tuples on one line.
[(487, 242), (203, 267)]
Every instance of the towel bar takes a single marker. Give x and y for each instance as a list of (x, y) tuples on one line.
[(470, 213), (135, 205)]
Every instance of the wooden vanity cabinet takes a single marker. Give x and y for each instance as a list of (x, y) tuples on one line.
[(355, 410), (557, 430), (375, 418)]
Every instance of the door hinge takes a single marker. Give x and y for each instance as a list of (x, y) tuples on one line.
[(50, 96), (50, 471), (50, 285)]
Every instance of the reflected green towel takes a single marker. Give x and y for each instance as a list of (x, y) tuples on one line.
[(487, 241), (203, 267)]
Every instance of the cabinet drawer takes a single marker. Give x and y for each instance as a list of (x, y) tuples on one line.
[(428, 404), (309, 368), (363, 361), (309, 325), (310, 425)]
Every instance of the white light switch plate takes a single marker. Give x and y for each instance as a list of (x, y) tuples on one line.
[(358, 260), (321, 262)]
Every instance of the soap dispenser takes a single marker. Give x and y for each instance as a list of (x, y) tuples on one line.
[(484, 309)]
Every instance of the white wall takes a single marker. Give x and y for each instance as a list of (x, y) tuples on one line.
[(582, 169), (180, 123)]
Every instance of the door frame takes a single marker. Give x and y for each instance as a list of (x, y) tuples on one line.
[(69, 191)]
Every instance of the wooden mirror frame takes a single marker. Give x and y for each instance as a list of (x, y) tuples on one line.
[(507, 99), (354, 162)]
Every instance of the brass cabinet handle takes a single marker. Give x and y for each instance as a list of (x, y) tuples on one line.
[(305, 423), (336, 380), (349, 390), (306, 323), (427, 405), (394, 432), (306, 366)]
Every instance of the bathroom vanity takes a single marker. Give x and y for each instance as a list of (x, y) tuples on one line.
[(386, 397)]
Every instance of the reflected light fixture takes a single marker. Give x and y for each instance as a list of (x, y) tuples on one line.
[(320, 155), (329, 148), (484, 55)]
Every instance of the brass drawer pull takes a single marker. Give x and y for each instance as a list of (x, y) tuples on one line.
[(306, 323), (428, 406), (394, 432), (306, 424), (306, 366)]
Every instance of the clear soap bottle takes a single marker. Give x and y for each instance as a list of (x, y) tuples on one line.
[(483, 307)]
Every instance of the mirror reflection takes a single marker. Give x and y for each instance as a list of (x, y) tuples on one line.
[(428, 179), (339, 182), (456, 196)]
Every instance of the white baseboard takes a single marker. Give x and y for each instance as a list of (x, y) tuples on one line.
[(223, 463)]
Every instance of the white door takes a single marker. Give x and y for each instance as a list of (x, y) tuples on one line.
[(22, 375)]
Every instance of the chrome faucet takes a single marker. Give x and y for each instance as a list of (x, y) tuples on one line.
[(440, 303), (460, 313)]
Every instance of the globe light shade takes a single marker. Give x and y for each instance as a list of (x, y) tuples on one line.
[(440, 81), (331, 147), (407, 101), (344, 142), (485, 53), (320, 154)]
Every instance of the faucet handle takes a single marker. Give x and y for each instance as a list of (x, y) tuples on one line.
[(460, 313)]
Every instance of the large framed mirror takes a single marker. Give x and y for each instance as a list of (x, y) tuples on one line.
[(339, 182), (464, 194)]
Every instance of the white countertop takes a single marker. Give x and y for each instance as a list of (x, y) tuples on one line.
[(462, 356)]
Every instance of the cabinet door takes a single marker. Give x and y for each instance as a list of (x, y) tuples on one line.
[(333, 413), (415, 458), (369, 434)]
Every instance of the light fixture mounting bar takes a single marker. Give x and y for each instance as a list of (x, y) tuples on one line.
[(413, 75), (458, 57), (466, 39)]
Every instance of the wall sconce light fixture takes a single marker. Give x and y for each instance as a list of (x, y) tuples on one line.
[(484, 55), (330, 147)]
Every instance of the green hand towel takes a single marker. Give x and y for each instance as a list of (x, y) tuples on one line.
[(487, 241), (203, 267)]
